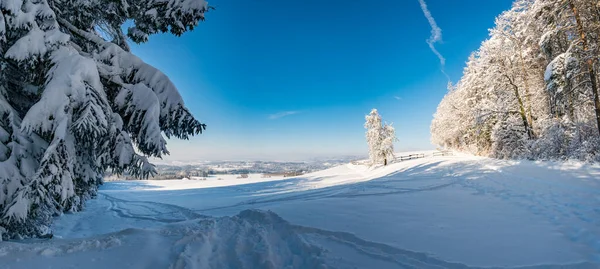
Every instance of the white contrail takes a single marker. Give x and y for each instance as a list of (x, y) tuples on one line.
[(436, 35)]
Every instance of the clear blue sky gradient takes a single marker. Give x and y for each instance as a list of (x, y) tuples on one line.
[(291, 80)]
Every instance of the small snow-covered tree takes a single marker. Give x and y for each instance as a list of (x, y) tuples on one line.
[(374, 138), (74, 101), (380, 138), (387, 143)]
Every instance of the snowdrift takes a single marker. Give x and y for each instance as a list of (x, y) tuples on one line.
[(251, 239)]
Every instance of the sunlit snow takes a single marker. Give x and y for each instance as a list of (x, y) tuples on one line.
[(435, 212)]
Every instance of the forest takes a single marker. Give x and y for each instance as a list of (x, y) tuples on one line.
[(530, 91)]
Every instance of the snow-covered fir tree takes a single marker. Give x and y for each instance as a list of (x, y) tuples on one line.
[(531, 90), (380, 138), (74, 101)]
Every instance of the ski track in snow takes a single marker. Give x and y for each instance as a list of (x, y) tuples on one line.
[(160, 212), (180, 229)]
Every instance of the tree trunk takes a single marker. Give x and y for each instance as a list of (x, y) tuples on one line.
[(528, 114), (571, 108), (527, 95), (590, 63), (523, 115), (569, 91), (521, 108)]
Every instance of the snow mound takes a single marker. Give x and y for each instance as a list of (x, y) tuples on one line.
[(251, 239)]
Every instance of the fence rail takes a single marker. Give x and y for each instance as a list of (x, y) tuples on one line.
[(408, 157)]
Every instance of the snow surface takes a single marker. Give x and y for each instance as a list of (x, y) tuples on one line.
[(436, 212)]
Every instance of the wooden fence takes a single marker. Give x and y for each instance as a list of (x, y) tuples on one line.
[(421, 155), (409, 157)]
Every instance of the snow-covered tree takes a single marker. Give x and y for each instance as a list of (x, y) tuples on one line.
[(74, 101), (380, 138), (374, 139), (530, 91), (387, 144)]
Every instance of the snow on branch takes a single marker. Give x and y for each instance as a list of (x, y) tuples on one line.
[(140, 110), (175, 16), (66, 89), (122, 67)]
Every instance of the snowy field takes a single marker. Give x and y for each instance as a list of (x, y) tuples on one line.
[(435, 212)]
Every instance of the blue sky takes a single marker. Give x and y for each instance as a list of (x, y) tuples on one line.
[(292, 80)]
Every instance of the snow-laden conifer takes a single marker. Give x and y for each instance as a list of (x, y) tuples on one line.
[(74, 101)]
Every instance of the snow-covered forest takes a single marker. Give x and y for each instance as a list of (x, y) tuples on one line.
[(531, 89), (74, 101)]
